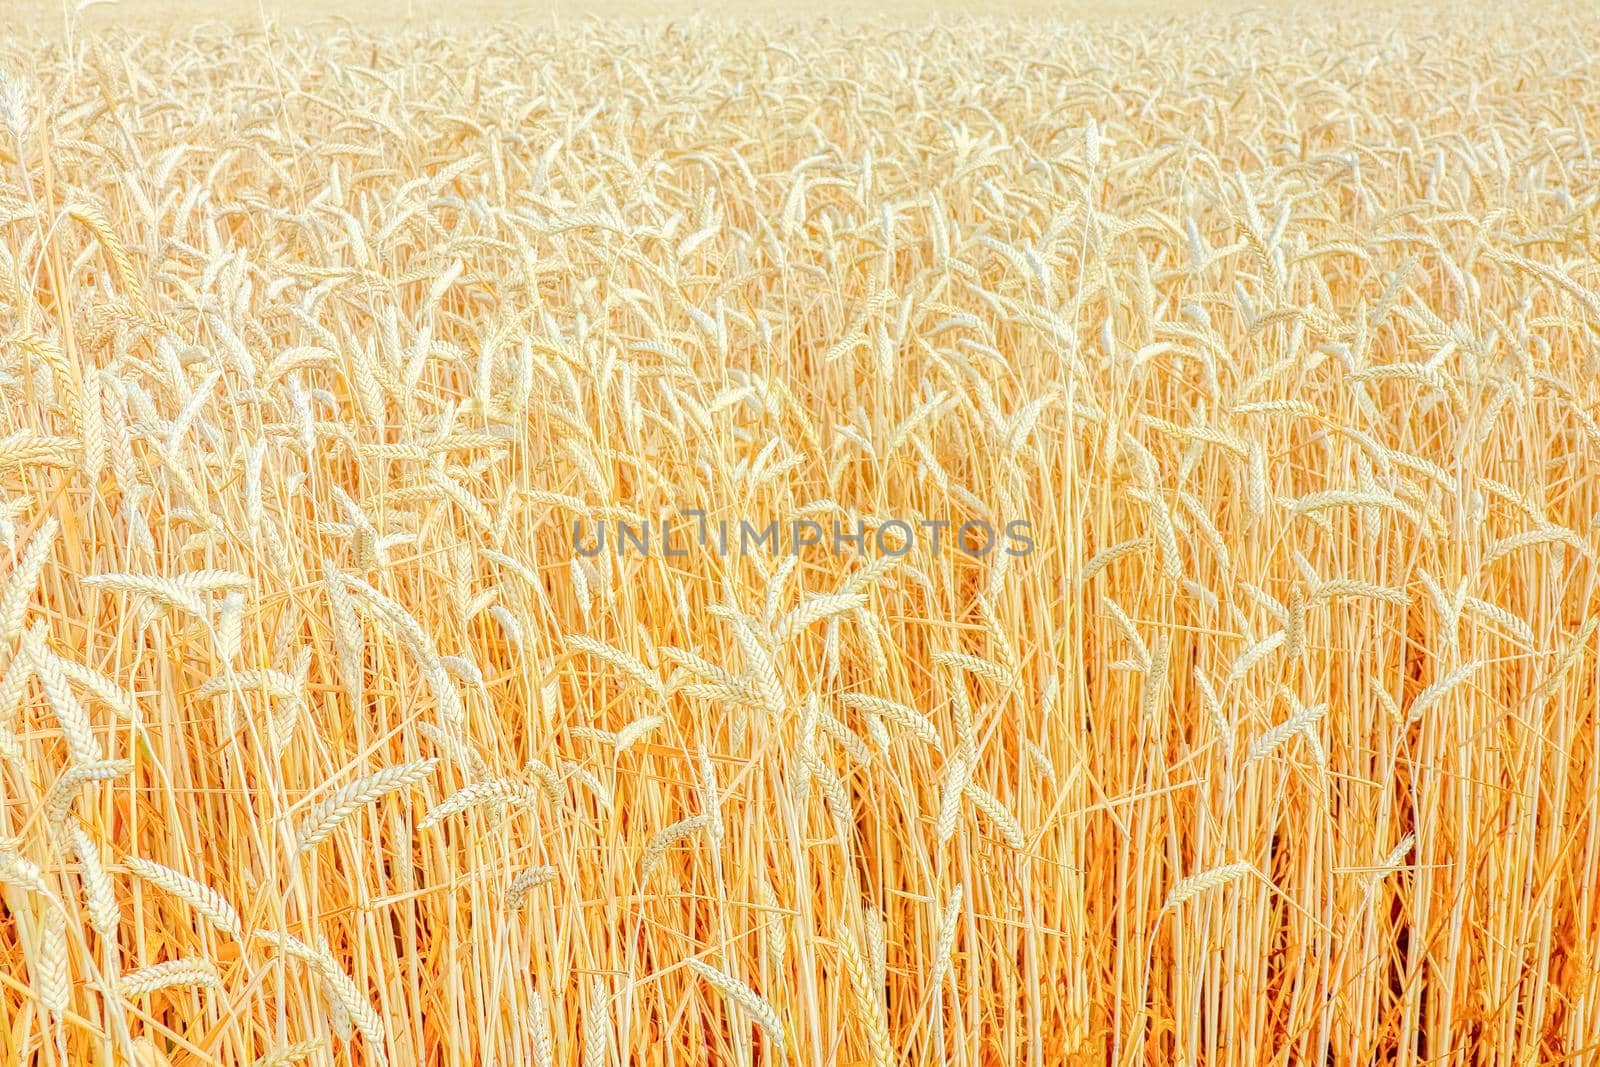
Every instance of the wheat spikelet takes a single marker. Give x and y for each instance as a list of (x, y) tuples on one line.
[(1129, 632), (955, 787), (61, 370), (1107, 556), (10, 748), (1292, 408), (1548, 535), (759, 667), (278, 685), (412, 634), (290, 945), (815, 609), (104, 915), (1194, 885), (291, 1054), (1258, 651), (710, 797), (25, 449), (962, 661), (636, 731), (1507, 620), (539, 1025), (868, 998), (526, 882), (1033, 753), (230, 628), (1434, 693), (508, 623), (17, 870), (596, 1025), (919, 725), (1208, 530), (207, 901), (1313, 503), (463, 670), (1351, 588), (1391, 862), (948, 926), (163, 590), (581, 588), (1166, 538), (877, 946), (547, 780), (346, 999), (1294, 642), (58, 801), (157, 976), (1205, 434), (656, 848), (697, 667), (359, 1009), (349, 639), (95, 221), (628, 664), (24, 578), (1297, 723), (589, 781), (76, 728), (774, 939), (834, 792), (490, 791), (13, 684), (748, 999), (841, 735), (1153, 696), (51, 978), (323, 819), (1003, 820)]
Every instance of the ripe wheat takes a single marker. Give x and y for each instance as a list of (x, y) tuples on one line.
[(1277, 329)]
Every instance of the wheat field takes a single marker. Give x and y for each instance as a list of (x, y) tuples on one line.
[(1261, 729)]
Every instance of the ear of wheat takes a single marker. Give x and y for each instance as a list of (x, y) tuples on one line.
[(867, 995), (209, 903), (158, 976), (291, 1054), (19, 589), (491, 791), (905, 717), (323, 819), (596, 1026), (527, 881), (1193, 886), (747, 999)]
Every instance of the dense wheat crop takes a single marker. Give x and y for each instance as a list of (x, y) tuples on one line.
[(324, 740)]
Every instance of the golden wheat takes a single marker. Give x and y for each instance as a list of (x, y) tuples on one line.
[(962, 541)]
